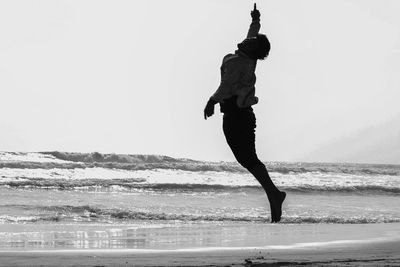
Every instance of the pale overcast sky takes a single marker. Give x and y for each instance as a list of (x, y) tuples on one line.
[(134, 76)]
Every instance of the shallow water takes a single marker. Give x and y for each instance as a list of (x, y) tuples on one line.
[(87, 190), (197, 235), (250, 205)]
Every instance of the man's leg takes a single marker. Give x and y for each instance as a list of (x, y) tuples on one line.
[(239, 131), (275, 196)]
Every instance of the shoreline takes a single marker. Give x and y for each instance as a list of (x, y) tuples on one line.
[(349, 253), (233, 245)]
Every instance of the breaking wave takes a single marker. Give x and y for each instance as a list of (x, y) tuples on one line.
[(65, 184), (67, 160), (184, 166), (141, 184), (88, 213)]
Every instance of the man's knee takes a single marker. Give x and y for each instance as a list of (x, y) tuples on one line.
[(249, 162)]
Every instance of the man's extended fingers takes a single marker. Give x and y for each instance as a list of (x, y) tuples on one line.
[(255, 6)]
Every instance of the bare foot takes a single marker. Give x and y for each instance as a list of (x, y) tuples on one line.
[(276, 207)]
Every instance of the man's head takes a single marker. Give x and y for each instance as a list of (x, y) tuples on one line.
[(256, 47)]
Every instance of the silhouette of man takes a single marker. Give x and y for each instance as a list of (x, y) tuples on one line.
[(236, 95)]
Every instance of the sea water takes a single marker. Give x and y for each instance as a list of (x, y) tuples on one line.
[(49, 195)]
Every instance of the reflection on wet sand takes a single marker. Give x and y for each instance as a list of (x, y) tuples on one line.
[(178, 235)]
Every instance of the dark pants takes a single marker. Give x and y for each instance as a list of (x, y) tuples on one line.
[(239, 129)]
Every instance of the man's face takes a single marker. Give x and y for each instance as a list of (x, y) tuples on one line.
[(249, 45)]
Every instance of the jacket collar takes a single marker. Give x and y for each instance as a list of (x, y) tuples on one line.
[(242, 54)]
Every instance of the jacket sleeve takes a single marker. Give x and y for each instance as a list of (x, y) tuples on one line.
[(254, 29), (231, 73)]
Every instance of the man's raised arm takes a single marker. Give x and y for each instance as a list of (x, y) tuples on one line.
[(255, 23)]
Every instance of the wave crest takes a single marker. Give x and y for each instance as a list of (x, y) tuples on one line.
[(83, 213), (141, 184), (72, 160)]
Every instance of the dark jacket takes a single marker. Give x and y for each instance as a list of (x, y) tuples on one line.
[(238, 76)]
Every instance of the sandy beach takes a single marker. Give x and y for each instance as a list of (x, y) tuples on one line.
[(214, 245), (382, 254)]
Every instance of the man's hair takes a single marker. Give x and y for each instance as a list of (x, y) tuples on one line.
[(263, 47)]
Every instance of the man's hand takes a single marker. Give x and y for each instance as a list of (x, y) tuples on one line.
[(209, 109), (255, 14)]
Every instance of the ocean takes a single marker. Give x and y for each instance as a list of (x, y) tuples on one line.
[(50, 200)]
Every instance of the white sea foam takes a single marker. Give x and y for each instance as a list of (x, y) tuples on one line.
[(169, 179), (29, 157)]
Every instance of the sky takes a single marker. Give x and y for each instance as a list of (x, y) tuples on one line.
[(134, 77)]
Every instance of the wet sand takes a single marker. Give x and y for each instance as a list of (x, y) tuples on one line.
[(202, 245)]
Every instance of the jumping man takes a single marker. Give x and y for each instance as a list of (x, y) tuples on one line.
[(236, 95)]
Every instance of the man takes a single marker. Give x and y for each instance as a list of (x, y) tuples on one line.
[(236, 95)]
